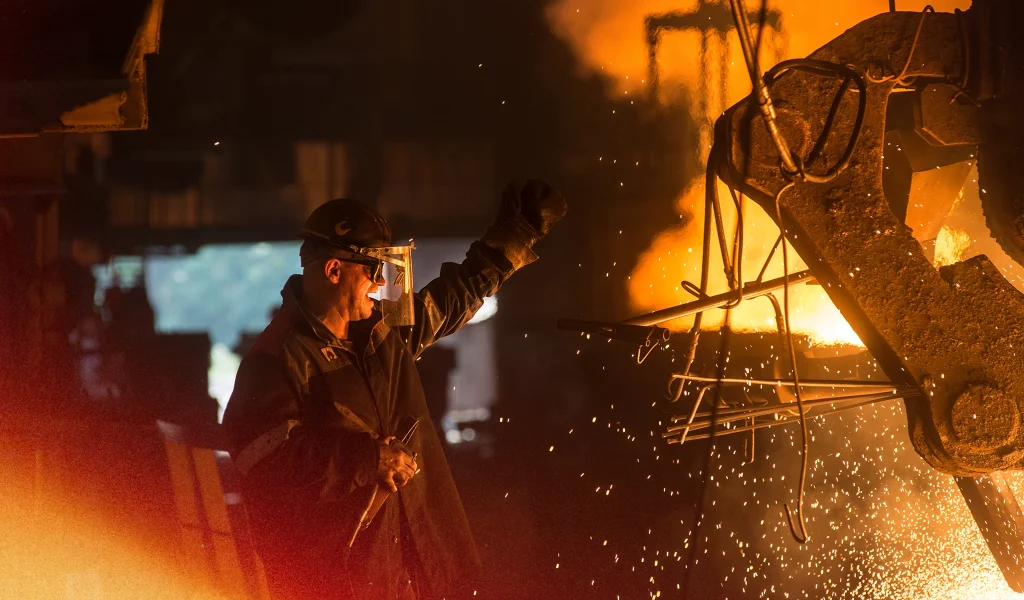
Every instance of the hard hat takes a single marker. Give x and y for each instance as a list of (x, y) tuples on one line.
[(347, 224), (360, 235)]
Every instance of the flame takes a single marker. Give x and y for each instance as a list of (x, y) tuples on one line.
[(609, 37), (926, 544), (674, 256), (951, 246)]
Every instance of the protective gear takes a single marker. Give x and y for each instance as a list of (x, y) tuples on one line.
[(533, 208), (395, 281), (526, 215), (345, 223), (397, 466), (304, 419), (353, 232)]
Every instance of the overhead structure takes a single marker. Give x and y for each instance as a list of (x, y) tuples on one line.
[(77, 69), (70, 68)]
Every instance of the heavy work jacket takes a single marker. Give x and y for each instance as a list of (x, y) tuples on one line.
[(303, 419)]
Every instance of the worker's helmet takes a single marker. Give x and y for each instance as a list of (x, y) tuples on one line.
[(347, 223), (353, 232)]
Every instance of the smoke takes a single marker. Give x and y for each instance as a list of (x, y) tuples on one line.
[(608, 36)]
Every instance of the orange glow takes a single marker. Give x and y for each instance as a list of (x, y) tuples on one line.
[(55, 550), (609, 37), (675, 255), (951, 246), (108, 511)]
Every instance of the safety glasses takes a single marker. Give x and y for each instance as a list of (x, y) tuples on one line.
[(374, 269), (391, 269)]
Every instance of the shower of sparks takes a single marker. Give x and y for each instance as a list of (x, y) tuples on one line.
[(883, 523)]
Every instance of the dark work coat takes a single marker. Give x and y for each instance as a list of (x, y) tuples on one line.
[(303, 419)]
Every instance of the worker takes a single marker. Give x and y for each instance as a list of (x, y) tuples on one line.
[(319, 399)]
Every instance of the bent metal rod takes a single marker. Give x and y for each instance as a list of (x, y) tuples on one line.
[(750, 290)]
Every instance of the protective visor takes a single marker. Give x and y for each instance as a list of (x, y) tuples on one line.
[(391, 268)]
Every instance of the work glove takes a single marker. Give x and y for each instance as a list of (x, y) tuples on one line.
[(397, 464), (529, 211), (526, 215)]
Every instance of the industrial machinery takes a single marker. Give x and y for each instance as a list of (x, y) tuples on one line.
[(941, 86), (858, 153)]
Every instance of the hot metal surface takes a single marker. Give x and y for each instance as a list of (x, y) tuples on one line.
[(1000, 520), (953, 335)]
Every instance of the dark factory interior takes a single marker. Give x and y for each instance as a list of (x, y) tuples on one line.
[(767, 352)]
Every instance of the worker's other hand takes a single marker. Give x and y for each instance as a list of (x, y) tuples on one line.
[(535, 205), (396, 466)]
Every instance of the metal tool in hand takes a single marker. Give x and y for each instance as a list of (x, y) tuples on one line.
[(406, 427)]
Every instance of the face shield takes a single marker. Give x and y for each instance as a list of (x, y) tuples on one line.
[(391, 267)]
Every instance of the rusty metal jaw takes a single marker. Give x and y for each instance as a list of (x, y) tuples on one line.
[(947, 335)]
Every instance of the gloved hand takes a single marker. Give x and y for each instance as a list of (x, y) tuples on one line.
[(397, 465), (530, 210)]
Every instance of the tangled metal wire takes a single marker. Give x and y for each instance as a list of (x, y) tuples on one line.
[(796, 171)]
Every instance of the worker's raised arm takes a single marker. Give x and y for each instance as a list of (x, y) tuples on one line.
[(526, 215), (278, 453)]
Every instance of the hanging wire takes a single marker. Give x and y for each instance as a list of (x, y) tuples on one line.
[(902, 79), (737, 247), (767, 262), (735, 276), (827, 69), (702, 291), (709, 189), (965, 47), (760, 90), (795, 169), (723, 244), (738, 197), (801, 537)]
